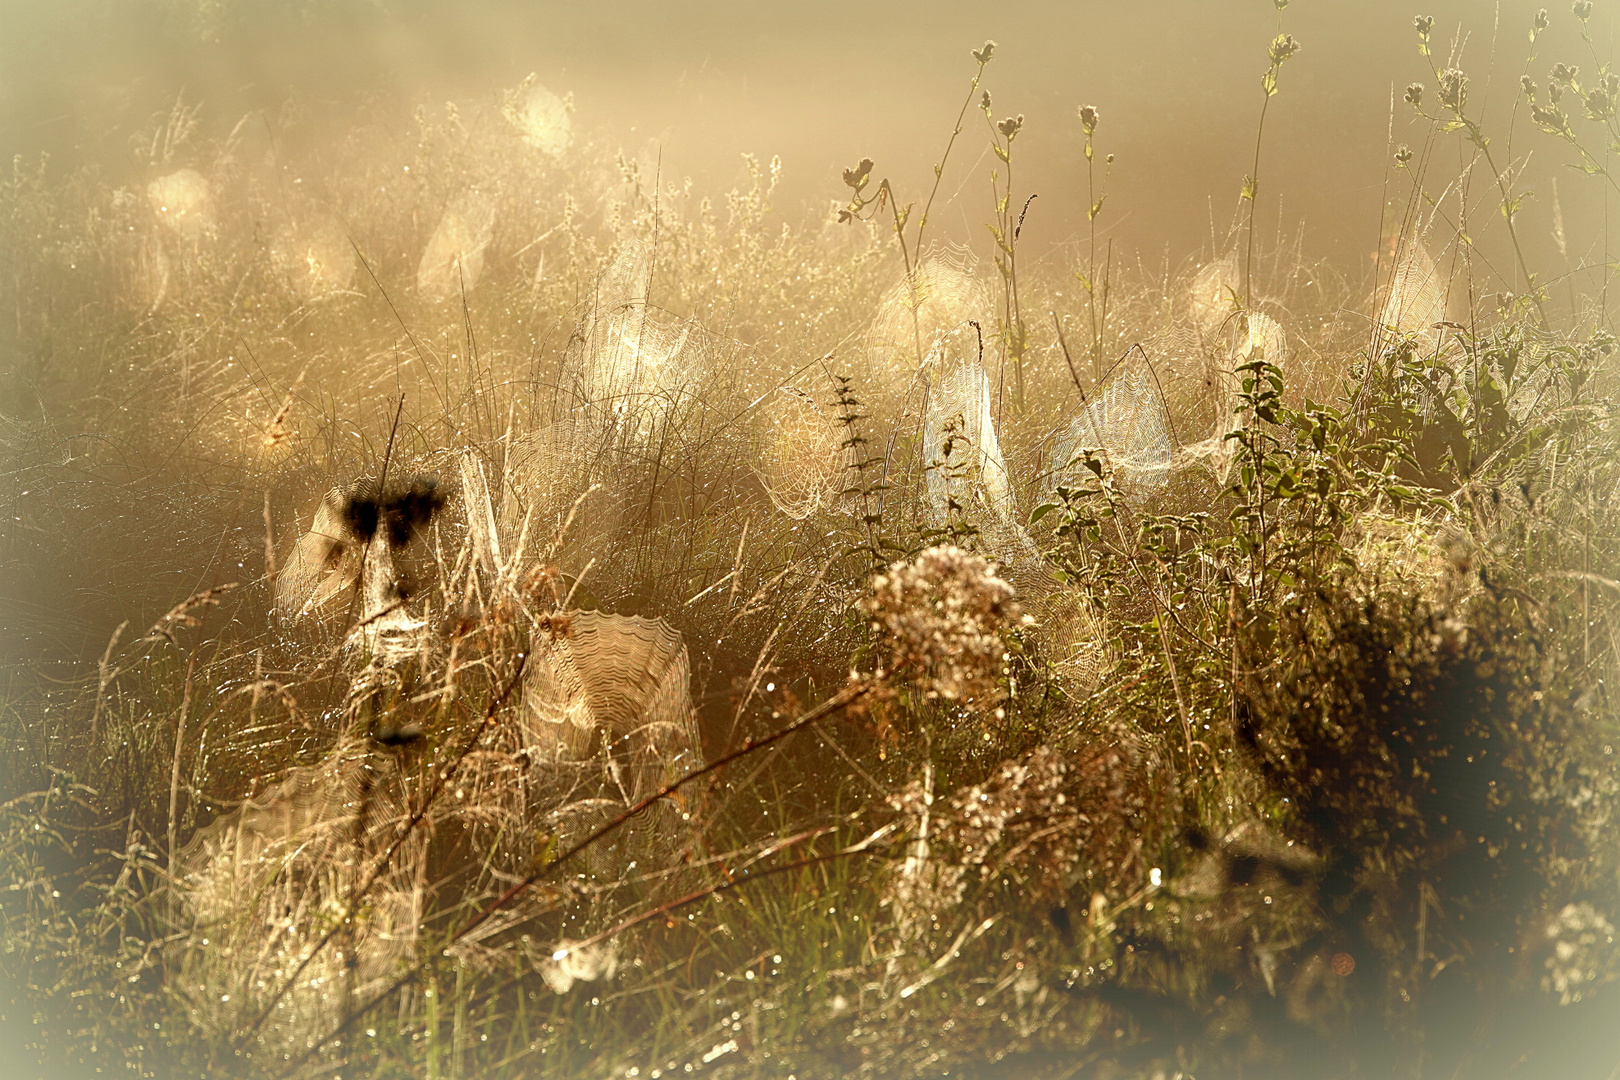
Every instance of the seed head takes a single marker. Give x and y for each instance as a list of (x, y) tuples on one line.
[(1541, 20), (983, 55), (1424, 24), (1453, 89), (1282, 47), (1088, 119), (1528, 85), (1554, 92), (1598, 104), (1403, 154), (856, 178), (1550, 120), (1414, 95), (984, 100), (1564, 73), (1582, 9), (945, 614)]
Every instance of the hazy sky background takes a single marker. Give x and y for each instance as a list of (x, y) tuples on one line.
[(824, 84)]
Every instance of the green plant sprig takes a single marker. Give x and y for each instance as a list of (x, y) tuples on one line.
[(1281, 49), (1005, 231), (1452, 94), (858, 178), (1600, 102), (1095, 197)]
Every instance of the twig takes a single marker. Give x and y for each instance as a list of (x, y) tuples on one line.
[(174, 771)]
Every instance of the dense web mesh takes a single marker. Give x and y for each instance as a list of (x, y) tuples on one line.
[(632, 366), (542, 119), (803, 461), (629, 388), (605, 719), (941, 294), (1254, 336), (453, 260), (608, 716), (566, 494), (324, 564), (1128, 423), (265, 884), (1415, 298), (1266, 340), (1211, 293), (312, 256), (184, 203), (334, 573), (966, 471)]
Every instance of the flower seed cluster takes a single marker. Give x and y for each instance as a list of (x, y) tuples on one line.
[(945, 614)]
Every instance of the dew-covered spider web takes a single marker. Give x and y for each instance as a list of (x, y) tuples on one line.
[(1128, 427), (942, 293), (802, 460), (966, 476), (1415, 297), (263, 886), (608, 718), (453, 260)]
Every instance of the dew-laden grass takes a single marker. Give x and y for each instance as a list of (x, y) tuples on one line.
[(1051, 668)]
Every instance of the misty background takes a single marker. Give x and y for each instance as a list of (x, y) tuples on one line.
[(694, 86)]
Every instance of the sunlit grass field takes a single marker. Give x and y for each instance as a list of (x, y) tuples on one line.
[(477, 608)]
